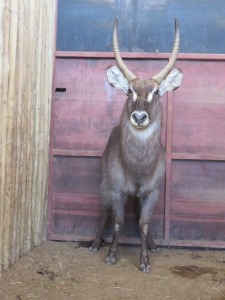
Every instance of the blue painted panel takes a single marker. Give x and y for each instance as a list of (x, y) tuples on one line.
[(145, 26)]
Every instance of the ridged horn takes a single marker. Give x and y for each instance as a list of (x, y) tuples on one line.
[(172, 60), (123, 68)]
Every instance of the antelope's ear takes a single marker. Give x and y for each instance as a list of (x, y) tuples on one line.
[(116, 79), (171, 82)]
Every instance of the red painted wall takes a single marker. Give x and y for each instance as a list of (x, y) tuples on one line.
[(191, 206)]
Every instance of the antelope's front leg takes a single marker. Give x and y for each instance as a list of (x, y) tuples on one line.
[(98, 239), (146, 211), (144, 258), (111, 258), (118, 212)]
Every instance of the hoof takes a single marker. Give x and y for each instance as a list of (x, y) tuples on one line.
[(93, 249), (145, 268), (110, 260), (96, 245), (154, 250)]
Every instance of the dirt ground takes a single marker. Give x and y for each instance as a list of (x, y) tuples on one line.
[(61, 271)]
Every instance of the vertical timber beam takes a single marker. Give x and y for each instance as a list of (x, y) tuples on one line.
[(169, 128)]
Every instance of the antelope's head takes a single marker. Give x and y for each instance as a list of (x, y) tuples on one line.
[(143, 95)]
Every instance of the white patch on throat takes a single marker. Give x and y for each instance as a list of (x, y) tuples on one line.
[(145, 133)]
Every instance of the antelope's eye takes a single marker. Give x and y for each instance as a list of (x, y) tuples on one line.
[(156, 91), (129, 91)]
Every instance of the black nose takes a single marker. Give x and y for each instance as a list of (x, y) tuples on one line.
[(139, 117)]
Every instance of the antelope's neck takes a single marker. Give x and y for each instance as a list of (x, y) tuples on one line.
[(140, 146)]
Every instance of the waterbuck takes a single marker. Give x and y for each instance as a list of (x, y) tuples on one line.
[(133, 163)]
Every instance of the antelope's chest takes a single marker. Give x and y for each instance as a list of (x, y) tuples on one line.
[(137, 183)]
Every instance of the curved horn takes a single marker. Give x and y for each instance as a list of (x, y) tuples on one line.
[(165, 71), (126, 72)]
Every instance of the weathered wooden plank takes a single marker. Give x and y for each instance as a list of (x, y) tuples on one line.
[(77, 175), (28, 91), (199, 110), (197, 200), (2, 129), (202, 229), (139, 55), (27, 32), (92, 202), (8, 199), (82, 225), (198, 180), (18, 156)]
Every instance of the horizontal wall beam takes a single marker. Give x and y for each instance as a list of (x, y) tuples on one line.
[(138, 55), (173, 156)]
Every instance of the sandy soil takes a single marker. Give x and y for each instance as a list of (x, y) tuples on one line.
[(68, 271)]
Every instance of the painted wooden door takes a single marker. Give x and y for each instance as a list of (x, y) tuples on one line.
[(191, 206)]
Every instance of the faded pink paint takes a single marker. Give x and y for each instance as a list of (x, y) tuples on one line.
[(191, 206)]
